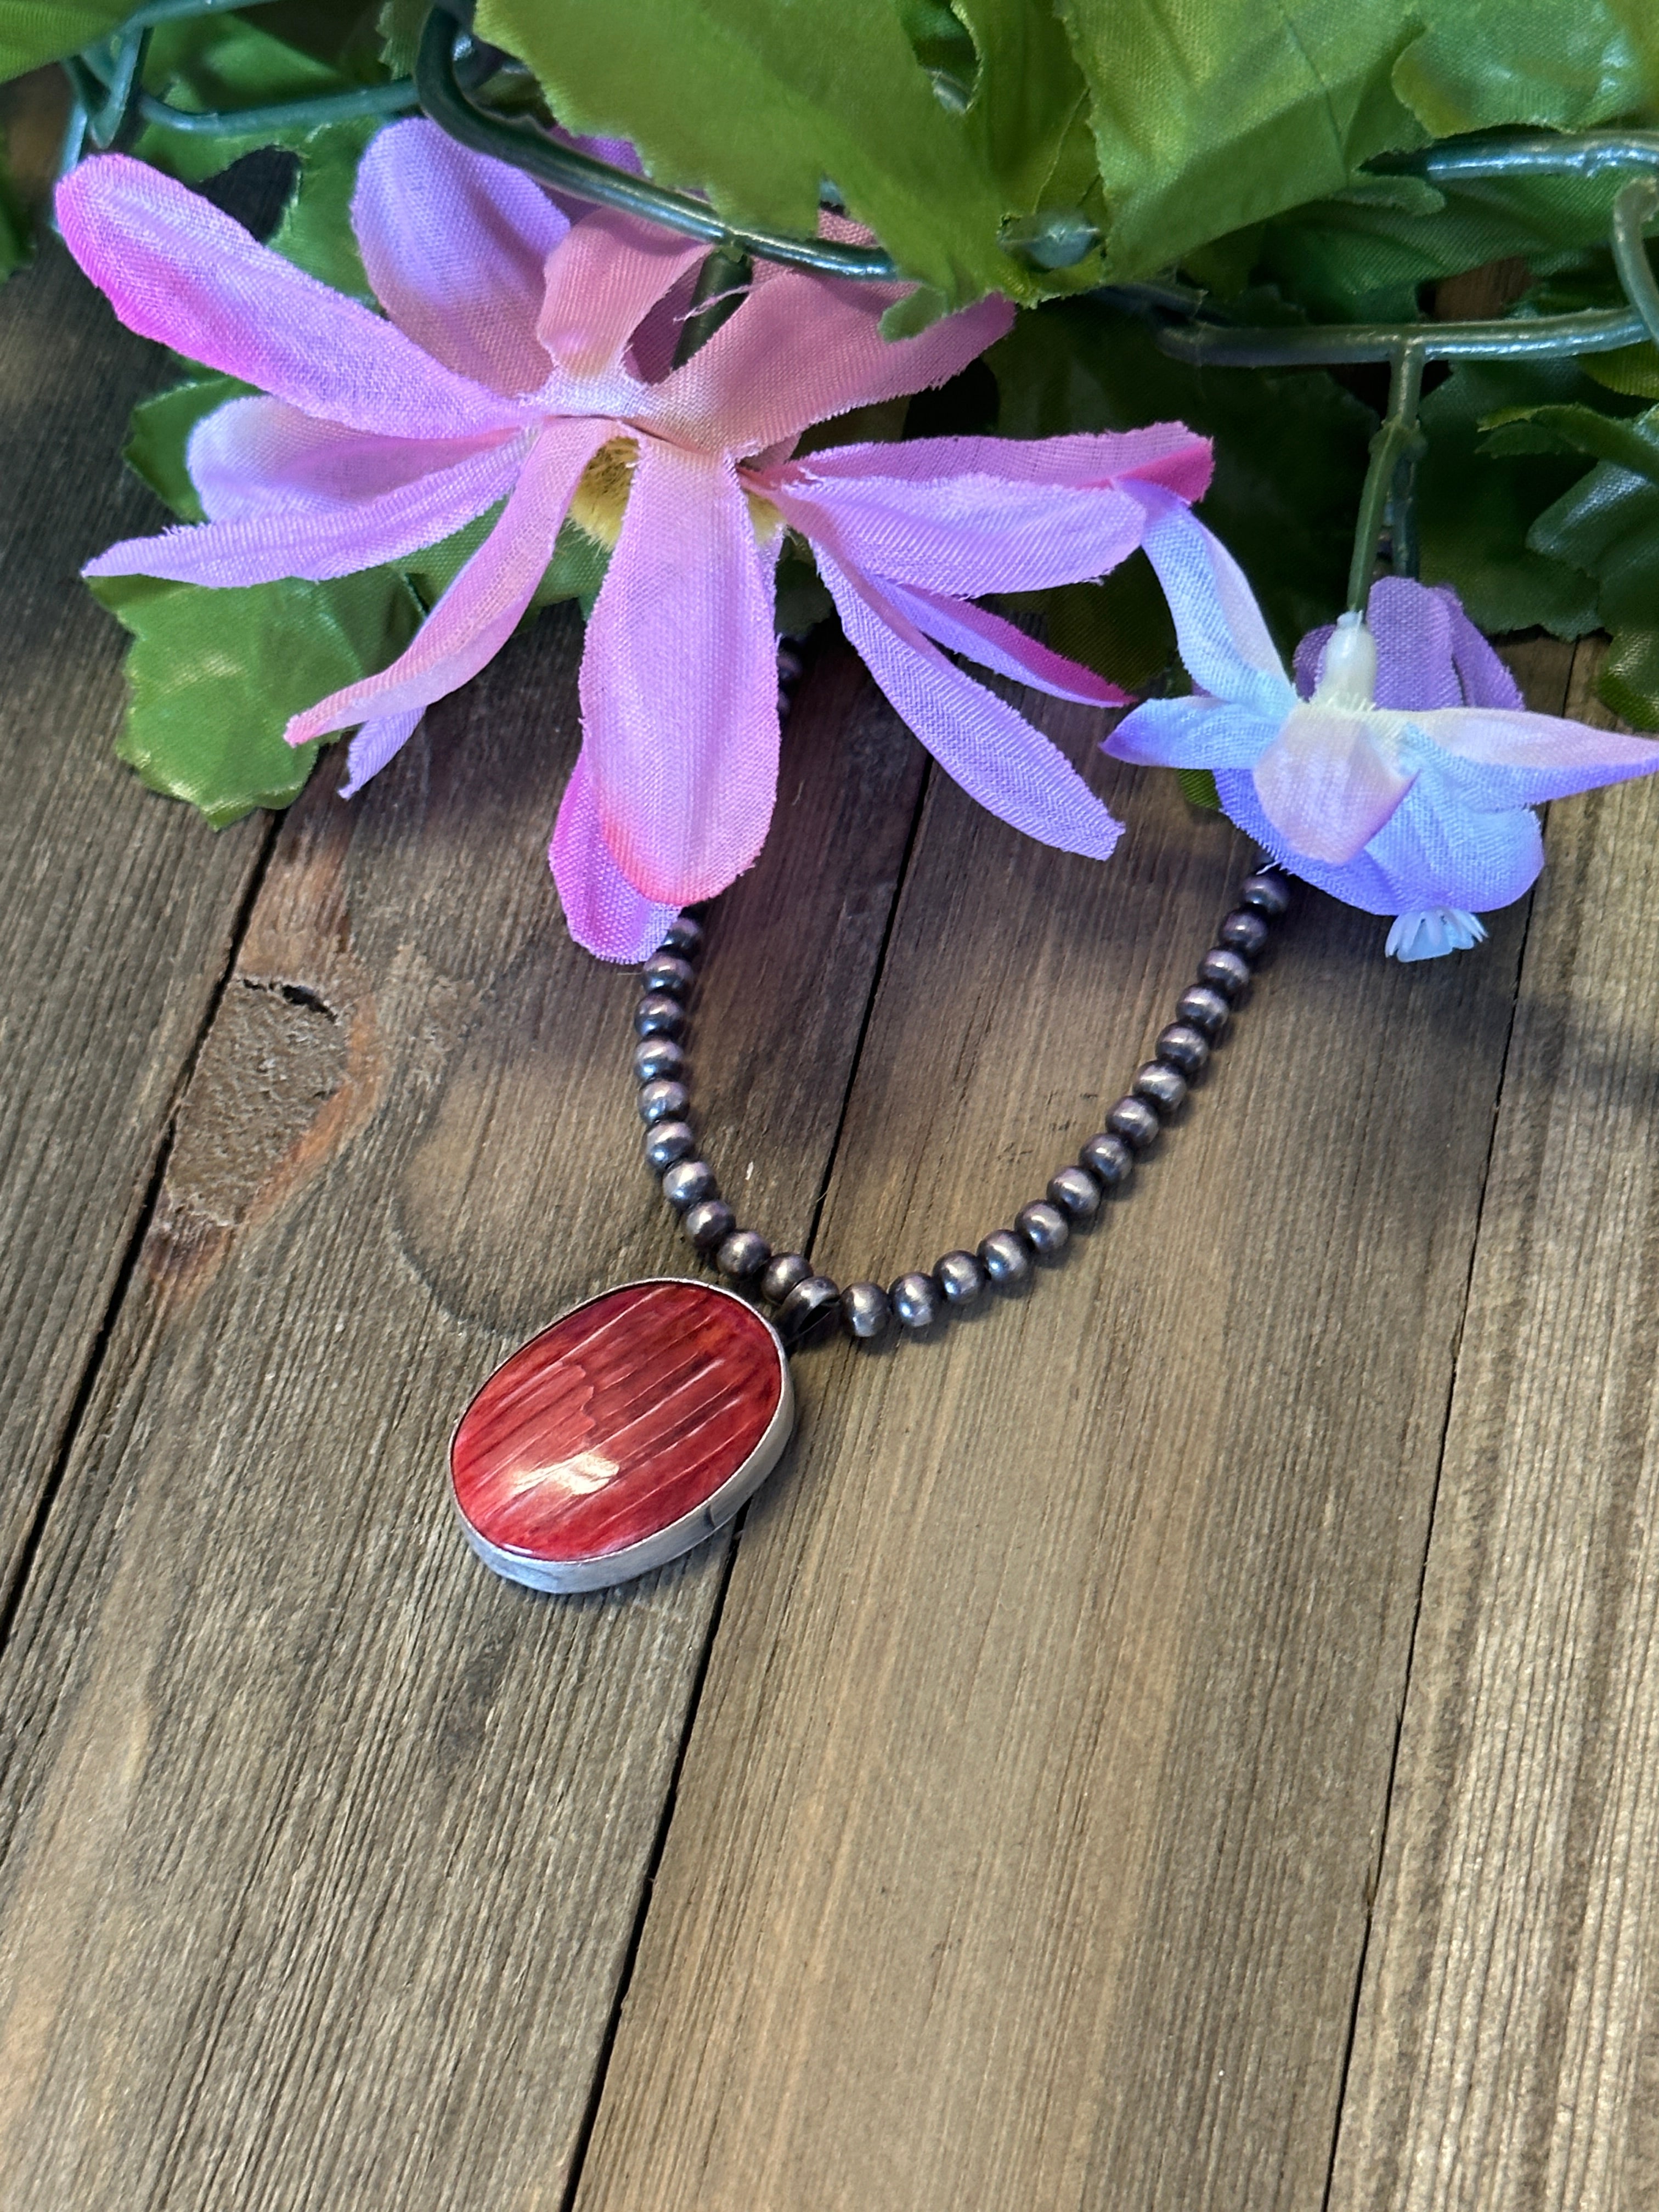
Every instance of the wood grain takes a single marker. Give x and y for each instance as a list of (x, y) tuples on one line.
[(1507, 2051), (322, 1849), (120, 907), (1024, 1844)]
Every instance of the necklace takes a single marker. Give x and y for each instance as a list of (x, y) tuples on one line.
[(642, 1419)]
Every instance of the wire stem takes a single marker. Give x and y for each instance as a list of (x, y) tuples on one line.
[(1386, 499)]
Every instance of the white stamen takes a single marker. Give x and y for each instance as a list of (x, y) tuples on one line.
[(1428, 931), (1347, 674)]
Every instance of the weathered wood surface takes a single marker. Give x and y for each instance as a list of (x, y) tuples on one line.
[(1507, 2051), (119, 908), (322, 1849), (1024, 1843), (1033, 1801)]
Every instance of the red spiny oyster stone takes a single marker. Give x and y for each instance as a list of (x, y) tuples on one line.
[(625, 1415)]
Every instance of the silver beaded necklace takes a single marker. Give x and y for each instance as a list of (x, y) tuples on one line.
[(641, 1421)]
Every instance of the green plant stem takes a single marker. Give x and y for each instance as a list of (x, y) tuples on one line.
[(1325, 346), (1633, 211), (723, 279), (1386, 497), (527, 148)]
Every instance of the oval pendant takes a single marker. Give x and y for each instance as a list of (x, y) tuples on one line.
[(630, 1429)]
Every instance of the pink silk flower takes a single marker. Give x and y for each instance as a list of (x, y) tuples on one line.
[(515, 346)]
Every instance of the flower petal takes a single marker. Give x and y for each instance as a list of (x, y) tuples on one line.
[(1430, 933), (1499, 758), (374, 745), (177, 270), (959, 536), (1224, 640), (993, 752), (961, 627), (254, 456), (454, 245), (679, 682), (801, 348), (1325, 785), (1412, 629), (1166, 453), (1194, 732), (602, 283), (320, 541), (1486, 681), (477, 614), (605, 914)]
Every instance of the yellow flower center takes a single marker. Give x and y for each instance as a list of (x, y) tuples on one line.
[(601, 497)]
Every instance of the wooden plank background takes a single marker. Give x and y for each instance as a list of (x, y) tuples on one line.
[(998, 1818)]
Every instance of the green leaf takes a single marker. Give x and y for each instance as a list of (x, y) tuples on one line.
[(1207, 118), (757, 105), (159, 437), (36, 31), (16, 226), (1486, 62), (1198, 788), (214, 676), (399, 23), (1291, 448), (1629, 681), (1575, 429), (1607, 525), (315, 232), (1119, 627), (1632, 369), (1474, 509)]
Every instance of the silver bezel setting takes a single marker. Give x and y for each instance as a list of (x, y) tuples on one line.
[(567, 1577)]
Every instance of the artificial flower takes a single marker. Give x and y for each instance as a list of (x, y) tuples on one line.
[(526, 359), (1401, 776)]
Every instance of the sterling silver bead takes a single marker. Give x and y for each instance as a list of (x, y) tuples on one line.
[(683, 935), (687, 1183), (658, 1015), (710, 1223), (1134, 1120), (1245, 933), (1226, 971), (663, 1101), (1162, 1087), (669, 1141), (1108, 1159), (814, 1301), (745, 1253), (866, 1310), (1205, 1009), (1266, 894), (961, 1278), (916, 1301), (782, 1274), (1005, 1258), (660, 1057), (666, 972), (1182, 1046), (1044, 1228), (1076, 1192)]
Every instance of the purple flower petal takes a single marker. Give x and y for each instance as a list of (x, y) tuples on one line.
[(602, 283), (607, 915), (254, 456), (960, 536), (1501, 757), (175, 268), (479, 611), (1168, 455), (1224, 640), (320, 542), (1325, 785), (374, 745), (994, 753), (1195, 733), (679, 682), (454, 245), (801, 348), (961, 627)]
